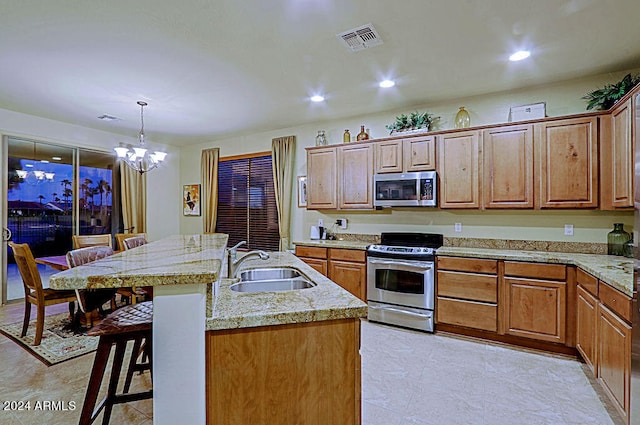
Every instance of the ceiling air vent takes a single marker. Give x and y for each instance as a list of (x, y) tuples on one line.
[(360, 38)]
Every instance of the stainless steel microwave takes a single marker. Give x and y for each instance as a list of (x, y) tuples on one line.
[(406, 189)]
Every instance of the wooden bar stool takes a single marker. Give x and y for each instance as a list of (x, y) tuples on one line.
[(129, 323)]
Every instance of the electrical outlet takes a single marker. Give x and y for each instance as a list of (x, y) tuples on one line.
[(568, 229), (320, 222), (342, 222), (457, 227)]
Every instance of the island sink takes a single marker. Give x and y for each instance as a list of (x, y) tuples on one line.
[(271, 279)]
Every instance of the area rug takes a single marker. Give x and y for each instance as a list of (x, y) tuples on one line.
[(59, 341)]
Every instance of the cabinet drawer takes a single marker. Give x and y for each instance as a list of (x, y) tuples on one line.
[(470, 286), (311, 252), (468, 264), (616, 301), (470, 314), (355, 255), (535, 270), (588, 282)]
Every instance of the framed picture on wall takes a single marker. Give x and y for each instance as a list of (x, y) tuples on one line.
[(302, 191), (191, 199)]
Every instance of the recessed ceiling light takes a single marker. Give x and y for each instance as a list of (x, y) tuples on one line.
[(44, 161), (28, 165), (385, 84), (56, 158), (519, 55), (317, 98)]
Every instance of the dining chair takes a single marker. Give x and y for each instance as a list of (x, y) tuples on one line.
[(90, 300), (34, 293), (120, 237), (134, 242), (83, 241)]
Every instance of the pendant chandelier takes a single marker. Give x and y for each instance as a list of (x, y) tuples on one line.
[(139, 158)]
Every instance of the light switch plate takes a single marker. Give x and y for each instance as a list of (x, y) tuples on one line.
[(568, 229), (457, 227)]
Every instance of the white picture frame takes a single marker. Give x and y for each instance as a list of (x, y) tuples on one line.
[(302, 191), (531, 111)]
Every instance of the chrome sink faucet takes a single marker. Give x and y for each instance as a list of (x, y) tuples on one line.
[(233, 262)]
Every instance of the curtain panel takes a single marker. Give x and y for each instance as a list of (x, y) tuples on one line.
[(209, 196), (133, 195), (283, 151)]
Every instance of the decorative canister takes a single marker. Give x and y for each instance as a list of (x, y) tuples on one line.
[(321, 139), (616, 240), (346, 137), (462, 118)]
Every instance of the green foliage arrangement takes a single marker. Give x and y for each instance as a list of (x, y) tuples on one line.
[(607, 96), (413, 121)]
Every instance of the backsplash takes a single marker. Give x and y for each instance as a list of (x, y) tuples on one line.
[(523, 245), (357, 237)]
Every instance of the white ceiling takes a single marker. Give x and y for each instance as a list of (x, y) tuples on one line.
[(211, 68)]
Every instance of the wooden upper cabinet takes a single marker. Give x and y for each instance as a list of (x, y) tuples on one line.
[(458, 169), (322, 178), (419, 153), (616, 158), (405, 155), (389, 156), (508, 167), (355, 176), (567, 163)]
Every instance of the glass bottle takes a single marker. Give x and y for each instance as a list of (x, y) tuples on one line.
[(616, 240), (462, 118), (346, 137), (321, 139), (363, 134)]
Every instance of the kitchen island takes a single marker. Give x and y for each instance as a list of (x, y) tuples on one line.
[(272, 355)]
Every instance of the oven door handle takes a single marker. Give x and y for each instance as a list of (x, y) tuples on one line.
[(420, 265), (397, 310)]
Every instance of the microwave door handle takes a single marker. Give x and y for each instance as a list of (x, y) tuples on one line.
[(397, 310), (399, 263)]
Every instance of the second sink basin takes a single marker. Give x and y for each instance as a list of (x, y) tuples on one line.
[(272, 279), (269, 274)]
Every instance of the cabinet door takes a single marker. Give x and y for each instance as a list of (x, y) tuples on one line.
[(351, 276), (458, 167), (614, 358), (616, 158), (321, 179), (508, 167), (317, 264), (389, 156), (419, 153), (535, 308), (568, 163), (586, 324), (355, 174)]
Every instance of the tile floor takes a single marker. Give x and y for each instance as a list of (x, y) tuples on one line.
[(408, 378)]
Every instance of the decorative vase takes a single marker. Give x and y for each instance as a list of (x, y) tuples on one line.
[(616, 240), (321, 139), (346, 137), (363, 134), (462, 118)]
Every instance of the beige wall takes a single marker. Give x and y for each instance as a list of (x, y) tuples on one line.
[(561, 99), (163, 187)]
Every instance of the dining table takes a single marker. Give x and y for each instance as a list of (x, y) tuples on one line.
[(57, 262), (180, 268)]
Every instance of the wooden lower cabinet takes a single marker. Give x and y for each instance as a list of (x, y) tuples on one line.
[(614, 359), (467, 293), (346, 267), (586, 327), (535, 306), (307, 373)]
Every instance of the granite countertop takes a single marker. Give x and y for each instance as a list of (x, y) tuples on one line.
[(612, 270), (325, 301), (175, 260)]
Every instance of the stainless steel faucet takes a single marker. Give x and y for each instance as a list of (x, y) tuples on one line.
[(233, 263)]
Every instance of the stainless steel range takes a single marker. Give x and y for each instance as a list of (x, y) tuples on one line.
[(401, 279)]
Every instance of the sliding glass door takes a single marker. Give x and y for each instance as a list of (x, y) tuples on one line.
[(52, 192)]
